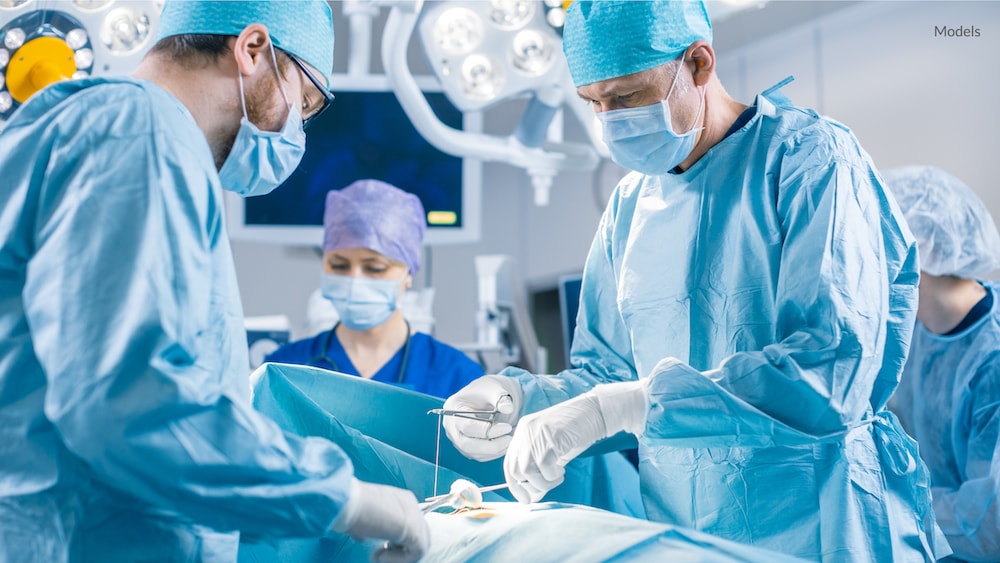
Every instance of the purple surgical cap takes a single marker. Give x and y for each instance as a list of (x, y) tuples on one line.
[(378, 216)]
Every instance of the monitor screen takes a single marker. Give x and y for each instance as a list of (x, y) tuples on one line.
[(366, 134)]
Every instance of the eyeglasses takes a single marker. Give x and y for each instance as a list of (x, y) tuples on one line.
[(327, 95)]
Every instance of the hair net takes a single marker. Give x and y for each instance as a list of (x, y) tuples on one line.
[(608, 39), (375, 215), (303, 28), (956, 235)]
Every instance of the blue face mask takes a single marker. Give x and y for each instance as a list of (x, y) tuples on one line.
[(261, 160), (643, 139), (361, 303)]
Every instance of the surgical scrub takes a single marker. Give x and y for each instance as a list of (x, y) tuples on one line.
[(430, 366), (126, 432), (949, 400), (768, 293)]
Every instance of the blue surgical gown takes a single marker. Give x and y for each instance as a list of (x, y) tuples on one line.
[(126, 431), (768, 293), (949, 399), (431, 367)]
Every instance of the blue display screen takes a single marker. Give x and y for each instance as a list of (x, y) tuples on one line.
[(367, 135)]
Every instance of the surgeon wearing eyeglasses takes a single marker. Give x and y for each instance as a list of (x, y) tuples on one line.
[(746, 309), (372, 236), (126, 431)]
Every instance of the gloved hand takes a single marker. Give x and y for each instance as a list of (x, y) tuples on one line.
[(546, 441), (388, 513), (481, 439)]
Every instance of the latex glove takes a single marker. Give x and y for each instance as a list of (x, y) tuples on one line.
[(482, 440), (387, 513), (546, 441)]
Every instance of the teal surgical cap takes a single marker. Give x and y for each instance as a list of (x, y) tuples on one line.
[(955, 233), (303, 28), (608, 39)]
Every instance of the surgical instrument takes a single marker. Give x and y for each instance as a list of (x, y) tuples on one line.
[(463, 494)]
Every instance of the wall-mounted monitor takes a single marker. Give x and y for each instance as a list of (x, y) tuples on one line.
[(366, 134)]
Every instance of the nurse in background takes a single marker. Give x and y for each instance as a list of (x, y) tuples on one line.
[(371, 249), (949, 393)]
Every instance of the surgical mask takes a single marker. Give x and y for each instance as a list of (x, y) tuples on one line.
[(361, 303), (261, 160), (643, 139)]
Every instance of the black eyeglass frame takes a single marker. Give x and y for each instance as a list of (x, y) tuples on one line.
[(327, 94)]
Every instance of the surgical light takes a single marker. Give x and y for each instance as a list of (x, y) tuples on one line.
[(68, 40), (511, 14), (84, 58), (14, 38), (77, 38), (485, 53), (124, 30), (531, 52), (458, 31), (92, 5), (482, 78)]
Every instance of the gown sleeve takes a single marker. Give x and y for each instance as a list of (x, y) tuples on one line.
[(126, 269), (969, 515)]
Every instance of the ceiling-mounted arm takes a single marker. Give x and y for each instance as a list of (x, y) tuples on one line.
[(541, 162)]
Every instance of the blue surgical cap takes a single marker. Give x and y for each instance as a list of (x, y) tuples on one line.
[(303, 28), (955, 233), (608, 39), (378, 216)]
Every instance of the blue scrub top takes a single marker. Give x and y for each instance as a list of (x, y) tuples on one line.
[(432, 367)]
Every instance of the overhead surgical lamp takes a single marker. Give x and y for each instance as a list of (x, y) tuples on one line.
[(45, 41), (484, 53)]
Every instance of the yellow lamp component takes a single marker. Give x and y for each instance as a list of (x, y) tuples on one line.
[(37, 64)]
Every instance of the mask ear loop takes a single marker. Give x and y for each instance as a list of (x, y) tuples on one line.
[(701, 106), (243, 99)]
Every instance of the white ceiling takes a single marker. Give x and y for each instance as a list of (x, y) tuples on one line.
[(736, 23)]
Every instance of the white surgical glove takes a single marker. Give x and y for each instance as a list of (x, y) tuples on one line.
[(480, 439), (386, 513), (547, 440)]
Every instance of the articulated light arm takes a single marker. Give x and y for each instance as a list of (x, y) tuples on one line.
[(541, 162)]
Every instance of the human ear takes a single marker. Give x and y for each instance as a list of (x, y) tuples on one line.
[(250, 47), (703, 56)]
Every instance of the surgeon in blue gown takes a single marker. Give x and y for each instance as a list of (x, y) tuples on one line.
[(746, 310), (949, 394), (126, 430), (372, 236)]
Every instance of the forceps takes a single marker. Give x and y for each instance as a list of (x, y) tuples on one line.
[(504, 405)]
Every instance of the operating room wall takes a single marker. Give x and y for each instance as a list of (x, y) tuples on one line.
[(910, 97)]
